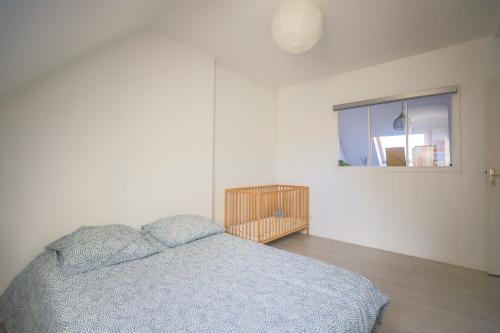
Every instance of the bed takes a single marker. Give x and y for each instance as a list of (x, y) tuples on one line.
[(219, 283)]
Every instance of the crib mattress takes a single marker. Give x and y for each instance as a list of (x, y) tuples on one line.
[(270, 228)]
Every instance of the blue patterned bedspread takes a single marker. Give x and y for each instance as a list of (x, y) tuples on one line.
[(216, 284)]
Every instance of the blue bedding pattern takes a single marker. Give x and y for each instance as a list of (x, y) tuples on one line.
[(215, 284)]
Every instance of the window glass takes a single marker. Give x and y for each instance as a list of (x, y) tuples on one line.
[(388, 134), (430, 121), (353, 137), (413, 132)]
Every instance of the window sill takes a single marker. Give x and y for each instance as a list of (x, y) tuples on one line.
[(368, 169)]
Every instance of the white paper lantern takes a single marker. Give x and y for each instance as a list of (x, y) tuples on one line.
[(297, 26)]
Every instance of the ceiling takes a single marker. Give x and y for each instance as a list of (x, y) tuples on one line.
[(37, 36), (357, 33)]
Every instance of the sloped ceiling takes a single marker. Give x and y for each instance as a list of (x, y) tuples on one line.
[(357, 33), (38, 36)]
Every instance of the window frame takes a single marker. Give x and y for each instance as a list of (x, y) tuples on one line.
[(456, 147)]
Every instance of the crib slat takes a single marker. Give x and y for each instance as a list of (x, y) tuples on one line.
[(239, 215), (247, 218), (261, 216), (226, 206)]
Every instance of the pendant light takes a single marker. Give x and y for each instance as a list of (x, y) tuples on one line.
[(400, 122), (297, 26)]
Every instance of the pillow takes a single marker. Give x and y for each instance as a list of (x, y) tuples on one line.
[(90, 248), (153, 241), (176, 230)]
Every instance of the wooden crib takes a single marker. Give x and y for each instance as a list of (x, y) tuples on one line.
[(266, 213)]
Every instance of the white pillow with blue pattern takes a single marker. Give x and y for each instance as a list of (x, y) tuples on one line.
[(177, 230), (90, 248)]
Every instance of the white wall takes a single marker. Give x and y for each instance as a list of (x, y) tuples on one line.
[(430, 215), (244, 135), (121, 136)]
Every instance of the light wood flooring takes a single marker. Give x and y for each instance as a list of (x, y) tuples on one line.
[(426, 296)]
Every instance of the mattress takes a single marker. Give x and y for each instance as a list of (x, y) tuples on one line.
[(270, 227), (220, 283)]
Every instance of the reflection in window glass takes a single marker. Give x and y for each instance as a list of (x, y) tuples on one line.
[(388, 135), (353, 137), (384, 143), (430, 118)]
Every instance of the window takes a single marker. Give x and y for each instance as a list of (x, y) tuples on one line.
[(354, 136), (403, 131)]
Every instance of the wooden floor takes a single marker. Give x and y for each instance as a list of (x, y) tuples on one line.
[(426, 296)]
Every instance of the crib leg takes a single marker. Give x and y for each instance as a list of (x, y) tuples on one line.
[(307, 231)]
